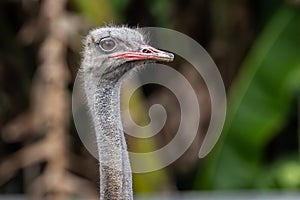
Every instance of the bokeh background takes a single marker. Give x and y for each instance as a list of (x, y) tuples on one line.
[(255, 44)]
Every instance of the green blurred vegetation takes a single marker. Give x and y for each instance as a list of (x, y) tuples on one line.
[(261, 99), (96, 12)]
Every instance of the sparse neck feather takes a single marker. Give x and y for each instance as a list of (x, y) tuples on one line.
[(115, 172)]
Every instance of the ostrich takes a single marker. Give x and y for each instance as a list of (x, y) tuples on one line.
[(109, 54)]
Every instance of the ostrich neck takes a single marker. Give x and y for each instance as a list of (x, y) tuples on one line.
[(115, 171)]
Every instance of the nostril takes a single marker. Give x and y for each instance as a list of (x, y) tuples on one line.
[(146, 51)]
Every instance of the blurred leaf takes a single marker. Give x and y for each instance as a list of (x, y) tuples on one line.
[(161, 10), (259, 103), (289, 175), (95, 11), (283, 174), (144, 182), (119, 5)]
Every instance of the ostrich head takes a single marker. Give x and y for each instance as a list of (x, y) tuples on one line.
[(108, 48)]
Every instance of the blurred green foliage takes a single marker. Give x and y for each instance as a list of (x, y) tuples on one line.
[(155, 179), (120, 6), (161, 10), (95, 12), (259, 103)]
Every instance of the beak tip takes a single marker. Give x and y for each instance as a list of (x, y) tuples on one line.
[(171, 56)]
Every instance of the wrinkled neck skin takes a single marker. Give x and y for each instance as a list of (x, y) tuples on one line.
[(103, 96)]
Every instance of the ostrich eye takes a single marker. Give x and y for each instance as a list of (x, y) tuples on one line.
[(107, 44)]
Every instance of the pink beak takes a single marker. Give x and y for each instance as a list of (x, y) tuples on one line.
[(146, 53)]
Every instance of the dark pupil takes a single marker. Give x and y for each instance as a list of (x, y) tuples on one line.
[(107, 44)]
